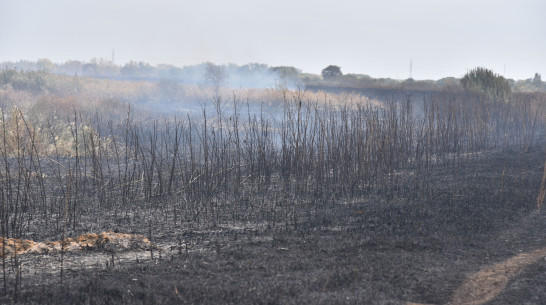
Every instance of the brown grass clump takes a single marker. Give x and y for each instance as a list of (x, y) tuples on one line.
[(105, 241)]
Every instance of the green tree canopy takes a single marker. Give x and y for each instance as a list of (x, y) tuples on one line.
[(285, 72), (485, 81), (331, 72)]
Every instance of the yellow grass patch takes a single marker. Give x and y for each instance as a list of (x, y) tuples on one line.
[(108, 241)]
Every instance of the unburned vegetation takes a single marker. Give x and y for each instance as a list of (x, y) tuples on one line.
[(269, 196)]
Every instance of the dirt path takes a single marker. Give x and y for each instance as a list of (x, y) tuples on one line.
[(484, 285), (487, 283)]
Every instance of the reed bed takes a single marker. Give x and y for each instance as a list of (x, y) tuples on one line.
[(71, 172)]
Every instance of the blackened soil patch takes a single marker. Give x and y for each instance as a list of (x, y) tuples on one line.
[(372, 250)]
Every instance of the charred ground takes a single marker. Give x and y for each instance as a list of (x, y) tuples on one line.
[(356, 202), (368, 250)]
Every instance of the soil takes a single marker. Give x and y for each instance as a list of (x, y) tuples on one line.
[(475, 238)]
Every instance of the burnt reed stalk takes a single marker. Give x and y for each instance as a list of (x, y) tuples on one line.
[(235, 161)]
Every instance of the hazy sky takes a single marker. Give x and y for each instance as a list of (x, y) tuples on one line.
[(379, 38)]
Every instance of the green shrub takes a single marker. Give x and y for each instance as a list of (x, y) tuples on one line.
[(485, 81), (32, 81)]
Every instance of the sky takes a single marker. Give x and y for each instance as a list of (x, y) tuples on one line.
[(382, 38)]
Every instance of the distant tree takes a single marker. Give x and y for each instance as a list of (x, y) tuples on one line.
[(331, 72), (136, 70), (286, 71), (33, 81), (72, 67), (89, 69), (169, 72), (45, 64), (253, 68), (288, 76), (447, 82), (485, 81), (216, 76), (537, 80)]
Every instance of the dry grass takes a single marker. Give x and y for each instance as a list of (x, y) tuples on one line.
[(109, 241)]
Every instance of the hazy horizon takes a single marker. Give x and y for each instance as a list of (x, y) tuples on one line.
[(440, 38)]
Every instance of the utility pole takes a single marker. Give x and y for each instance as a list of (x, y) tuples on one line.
[(411, 68), (112, 56)]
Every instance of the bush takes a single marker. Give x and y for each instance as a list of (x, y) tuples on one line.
[(485, 81), (33, 81)]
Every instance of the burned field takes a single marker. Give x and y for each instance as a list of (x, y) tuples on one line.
[(323, 203)]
